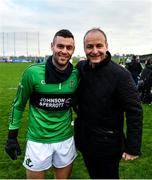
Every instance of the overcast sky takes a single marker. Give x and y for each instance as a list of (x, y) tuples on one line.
[(127, 23)]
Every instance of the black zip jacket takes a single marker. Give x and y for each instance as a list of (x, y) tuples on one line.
[(106, 94)]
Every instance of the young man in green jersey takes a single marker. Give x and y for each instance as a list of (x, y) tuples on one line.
[(49, 88)]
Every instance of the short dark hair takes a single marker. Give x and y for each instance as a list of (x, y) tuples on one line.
[(63, 33), (95, 30)]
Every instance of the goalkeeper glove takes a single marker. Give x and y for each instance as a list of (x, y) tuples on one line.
[(12, 147)]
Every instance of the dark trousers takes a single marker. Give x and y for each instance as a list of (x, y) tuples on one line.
[(102, 167)]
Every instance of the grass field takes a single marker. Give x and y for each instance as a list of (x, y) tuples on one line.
[(9, 77)]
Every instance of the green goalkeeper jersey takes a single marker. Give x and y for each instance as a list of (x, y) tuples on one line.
[(50, 112)]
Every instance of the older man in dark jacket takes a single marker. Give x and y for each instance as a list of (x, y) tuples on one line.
[(106, 95)]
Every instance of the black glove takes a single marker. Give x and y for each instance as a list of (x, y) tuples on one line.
[(12, 147)]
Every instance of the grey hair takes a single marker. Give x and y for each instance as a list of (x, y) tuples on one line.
[(95, 30)]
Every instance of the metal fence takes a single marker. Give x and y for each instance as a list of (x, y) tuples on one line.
[(19, 44)]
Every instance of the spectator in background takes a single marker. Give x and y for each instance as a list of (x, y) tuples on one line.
[(135, 68), (146, 85)]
